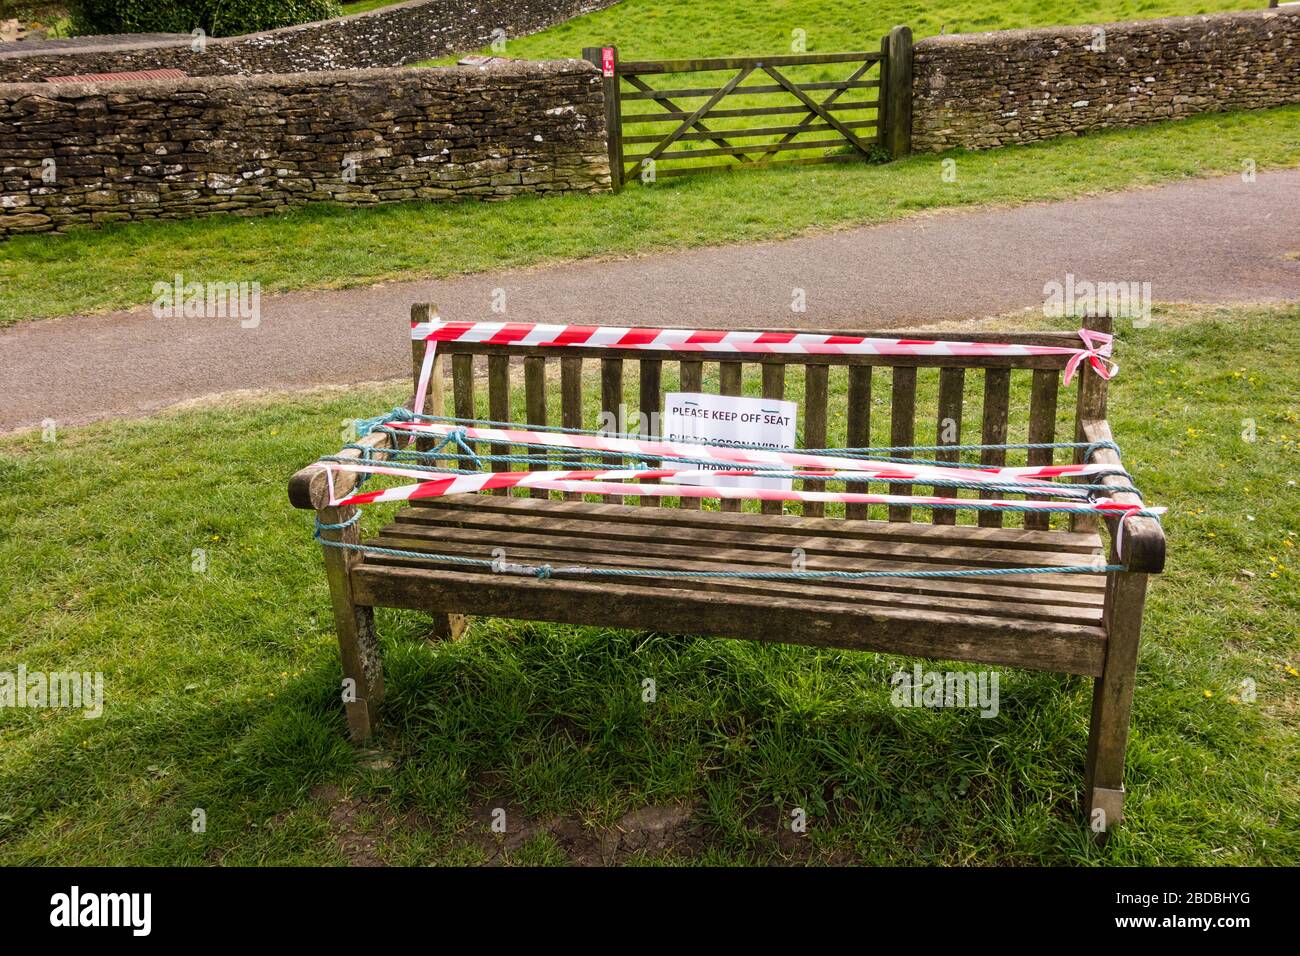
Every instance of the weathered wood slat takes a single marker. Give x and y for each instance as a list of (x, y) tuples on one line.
[(560, 554), (902, 431), (1042, 430), (679, 115), (607, 548), (1067, 648), (743, 132), (854, 157), (611, 407), (760, 551), (993, 430), (905, 361), (704, 153), (571, 402), (535, 404), (1090, 406), (859, 422), (462, 392), (774, 388), (962, 544), (691, 379), (729, 383), (952, 386), (462, 385), (499, 407), (651, 394), (738, 62), (652, 94), (814, 425), (434, 400)]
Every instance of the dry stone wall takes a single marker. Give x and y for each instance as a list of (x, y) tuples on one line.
[(1016, 86), (390, 36), (89, 153)]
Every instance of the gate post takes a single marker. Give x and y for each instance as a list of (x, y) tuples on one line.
[(896, 101), (607, 63)]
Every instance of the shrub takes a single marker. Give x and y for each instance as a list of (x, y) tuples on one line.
[(215, 17), (230, 17)]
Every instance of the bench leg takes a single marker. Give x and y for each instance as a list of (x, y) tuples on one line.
[(363, 671), (447, 627), (1112, 702)]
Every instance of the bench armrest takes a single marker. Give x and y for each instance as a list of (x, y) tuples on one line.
[(309, 489), (1143, 540)]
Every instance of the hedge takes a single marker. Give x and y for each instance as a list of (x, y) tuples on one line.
[(214, 17)]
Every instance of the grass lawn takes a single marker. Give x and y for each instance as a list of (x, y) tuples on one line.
[(653, 29), (325, 247), (222, 686)]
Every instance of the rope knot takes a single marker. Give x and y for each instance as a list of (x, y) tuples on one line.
[(544, 572), (322, 526)]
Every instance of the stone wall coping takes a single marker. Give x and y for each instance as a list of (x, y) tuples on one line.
[(1085, 31), (16, 91), (149, 42)]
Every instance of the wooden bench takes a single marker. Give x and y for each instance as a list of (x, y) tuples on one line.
[(1070, 623)]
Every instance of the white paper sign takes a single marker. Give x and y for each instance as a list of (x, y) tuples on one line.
[(730, 420)]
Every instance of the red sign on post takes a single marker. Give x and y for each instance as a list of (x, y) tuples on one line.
[(607, 61)]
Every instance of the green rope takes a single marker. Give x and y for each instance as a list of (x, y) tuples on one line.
[(457, 439), (544, 572), (684, 459), (1071, 491), (365, 426)]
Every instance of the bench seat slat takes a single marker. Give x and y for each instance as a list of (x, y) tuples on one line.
[(1068, 648), (982, 595), (978, 606), (1062, 542), (753, 542)]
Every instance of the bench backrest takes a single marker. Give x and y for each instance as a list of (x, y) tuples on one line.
[(845, 401)]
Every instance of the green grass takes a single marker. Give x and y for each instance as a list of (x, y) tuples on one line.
[(222, 686), (326, 247), (364, 6), (652, 29)]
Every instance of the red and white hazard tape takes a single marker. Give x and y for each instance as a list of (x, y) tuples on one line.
[(1096, 350), (579, 482), (670, 475), (725, 454)]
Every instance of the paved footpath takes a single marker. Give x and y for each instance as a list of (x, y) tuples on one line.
[(1209, 240)]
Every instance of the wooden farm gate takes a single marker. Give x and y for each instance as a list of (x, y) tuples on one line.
[(758, 112)]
